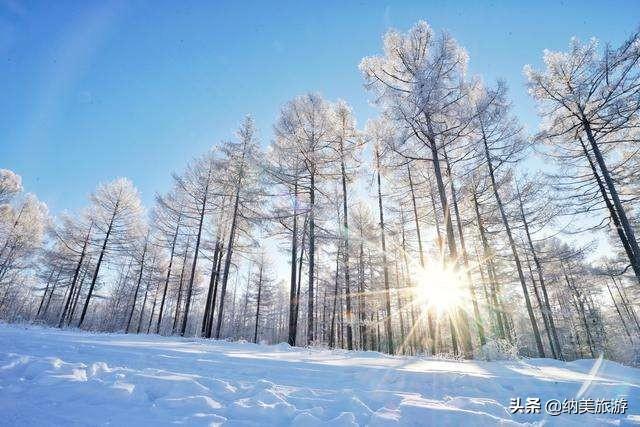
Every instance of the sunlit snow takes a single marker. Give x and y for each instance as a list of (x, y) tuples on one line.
[(52, 377)]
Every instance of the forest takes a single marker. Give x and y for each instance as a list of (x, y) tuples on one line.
[(441, 227)]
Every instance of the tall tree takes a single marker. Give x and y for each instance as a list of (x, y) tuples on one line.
[(168, 217), (345, 144), (419, 83), (240, 164), (197, 185), (501, 142), (305, 123), (71, 235), (143, 255), (116, 212), (379, 132), (593, 94)]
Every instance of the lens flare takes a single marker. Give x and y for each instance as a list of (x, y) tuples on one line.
[(439, 287)]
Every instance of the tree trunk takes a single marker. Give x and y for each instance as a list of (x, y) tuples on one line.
[(465, 257), (166, 281), (385, 267), (345, 223), (144, 300), (77, 297), (215, 291), (488, 257), (402, 349), (185, 316), (453, 253), (144, 304), (335, 301), (416, 332), (430, 320), (97, 270), (153, 308), (627, 306), (536, 261), (291, 337), (579, 305), (46, 291), (255, 332), (454, 335), (451, 243), (227, 261), (415, 216), (53, 289), (622, 216), (300, 261), (512, 244), (176, 315), (209, 306), (76, 272), (624, 324), (635, 263), (541, 307), (232, 236), (135, 295), (361, 296), (312, 253)]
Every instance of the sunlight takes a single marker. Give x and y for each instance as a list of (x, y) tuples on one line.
[(439, 287)]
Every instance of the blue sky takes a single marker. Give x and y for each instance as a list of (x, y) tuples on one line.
[(95, 90)]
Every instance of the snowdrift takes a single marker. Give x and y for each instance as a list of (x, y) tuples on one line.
[(71, 378)]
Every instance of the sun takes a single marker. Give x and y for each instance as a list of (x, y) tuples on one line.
[(439, 287)]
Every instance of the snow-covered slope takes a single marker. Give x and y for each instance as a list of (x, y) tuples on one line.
[(52, 377)]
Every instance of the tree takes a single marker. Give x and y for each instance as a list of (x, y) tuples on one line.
[(168, 218), (197, 184), (590, 96), (116, 212), (10, 185), (75, 234), (142, 257), (263, 291), (500, 140), (305, 124), (419, 84), (240, 165), (285, 168), (345, 143), (535, 209), (379, 132), (23, 223)]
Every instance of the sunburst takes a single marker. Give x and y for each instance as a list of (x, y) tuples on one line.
[(439, 287)]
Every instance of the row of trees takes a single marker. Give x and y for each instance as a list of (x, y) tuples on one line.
[(420, 233)]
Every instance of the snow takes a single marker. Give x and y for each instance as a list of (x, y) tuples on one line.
[(73, 378)]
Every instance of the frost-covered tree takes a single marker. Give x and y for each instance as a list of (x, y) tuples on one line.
[(168, 219), (74, 233), (262, 292), (10, 185), (588, 98), (23, 223), (501, 141), (116, 213), (285, 171), (197, 186), (419, 83), (305, 125), (241, 164), (379, 132), (346, 143)]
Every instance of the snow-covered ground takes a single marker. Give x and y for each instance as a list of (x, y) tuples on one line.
[(52, 377)]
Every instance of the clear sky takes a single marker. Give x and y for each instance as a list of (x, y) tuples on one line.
[(90, 91)]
